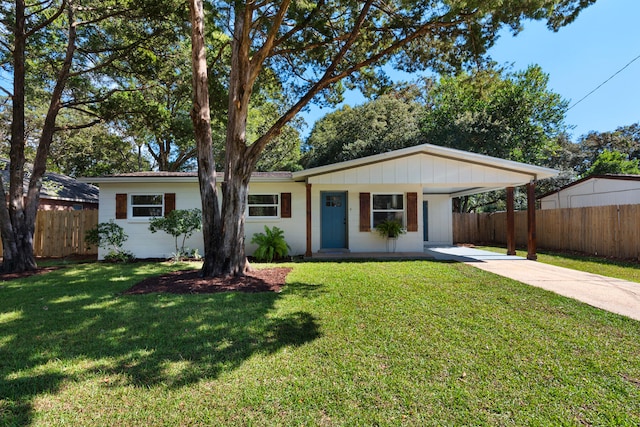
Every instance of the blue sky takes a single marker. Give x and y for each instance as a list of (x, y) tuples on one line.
[(578, 58)]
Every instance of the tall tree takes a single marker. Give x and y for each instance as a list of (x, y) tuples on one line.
[(625, 139), (614, 162), (63, 47), (313, 47), (508, 115), (386, 123)]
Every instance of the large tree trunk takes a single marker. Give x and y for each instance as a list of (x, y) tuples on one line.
[(17, 252), (228, 256), (237, 168), (201, 117), (18, 224)]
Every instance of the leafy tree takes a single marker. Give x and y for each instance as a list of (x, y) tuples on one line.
[(317, 49), (94, 151), (507, 115), (625, 139), (180, 222), (614, 162), (387, 123), (157, 117), (78, 53)]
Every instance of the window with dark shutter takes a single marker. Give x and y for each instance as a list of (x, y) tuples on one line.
[(365, 211), (412, 211), (285, 205), (121, 206), (169, 203)]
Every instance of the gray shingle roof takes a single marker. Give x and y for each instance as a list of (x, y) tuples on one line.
[(57, 186)]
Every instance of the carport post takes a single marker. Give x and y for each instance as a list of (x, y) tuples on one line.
[(511, 223), (531, 220), (308, 194)]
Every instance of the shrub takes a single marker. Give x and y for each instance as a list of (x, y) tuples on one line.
[(271, 244), (110, 236), (180, 222)]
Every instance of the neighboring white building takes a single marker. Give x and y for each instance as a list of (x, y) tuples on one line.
[(595, 190), (328, 208)]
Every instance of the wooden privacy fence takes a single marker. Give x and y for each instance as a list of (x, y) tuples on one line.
[(61, 233), (602, 230)]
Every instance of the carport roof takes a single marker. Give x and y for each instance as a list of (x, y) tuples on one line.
[(439, 169)]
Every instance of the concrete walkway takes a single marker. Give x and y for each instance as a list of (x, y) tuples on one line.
[(614, 295)]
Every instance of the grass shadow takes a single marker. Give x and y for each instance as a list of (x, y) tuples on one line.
[(77, 318)]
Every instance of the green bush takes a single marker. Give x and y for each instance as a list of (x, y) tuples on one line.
[(180, 222), (110, 236), (271, 244)]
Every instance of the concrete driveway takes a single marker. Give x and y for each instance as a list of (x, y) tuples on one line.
[(614, 295)]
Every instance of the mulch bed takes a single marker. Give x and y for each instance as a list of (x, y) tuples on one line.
[(190, 282), (5, 277)]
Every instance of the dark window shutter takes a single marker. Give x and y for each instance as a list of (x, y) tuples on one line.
[(121, 206), (285, 205), (169, 203), (412, 211), (365, 211)]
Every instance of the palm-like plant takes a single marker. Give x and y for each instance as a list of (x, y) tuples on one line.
[(271, 244)]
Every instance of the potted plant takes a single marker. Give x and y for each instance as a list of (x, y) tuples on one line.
[(390, 229)]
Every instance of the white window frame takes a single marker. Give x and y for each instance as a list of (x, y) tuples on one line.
[(145, 218), (389, 210), (276, 205)]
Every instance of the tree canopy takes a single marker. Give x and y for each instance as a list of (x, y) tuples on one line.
[(66, 54), (613, 162), (511, 115), (386, 123)]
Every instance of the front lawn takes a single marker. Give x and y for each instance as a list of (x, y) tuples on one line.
[(388, 343)]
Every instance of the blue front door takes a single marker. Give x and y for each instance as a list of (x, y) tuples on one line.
[(334, 220)]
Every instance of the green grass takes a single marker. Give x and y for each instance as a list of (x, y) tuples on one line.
[(387, 343), (624, 270)]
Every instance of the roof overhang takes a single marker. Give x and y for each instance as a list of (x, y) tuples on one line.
[(513, 174), (498, 173), (177, 177)]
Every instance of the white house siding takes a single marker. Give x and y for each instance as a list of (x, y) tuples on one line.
[(295, 228), (427, 170), (358, 241), (440, 219), (141, 241), (145, 244), (594, 192)]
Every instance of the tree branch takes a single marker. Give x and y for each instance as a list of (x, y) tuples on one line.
[(329, 78), (45, 23), (265, 50), (77, 127), (301, 25)]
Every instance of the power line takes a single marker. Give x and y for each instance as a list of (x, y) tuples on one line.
[(604, 82)]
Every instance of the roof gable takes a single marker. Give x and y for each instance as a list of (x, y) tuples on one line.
[(586, 179), (438, 169)]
